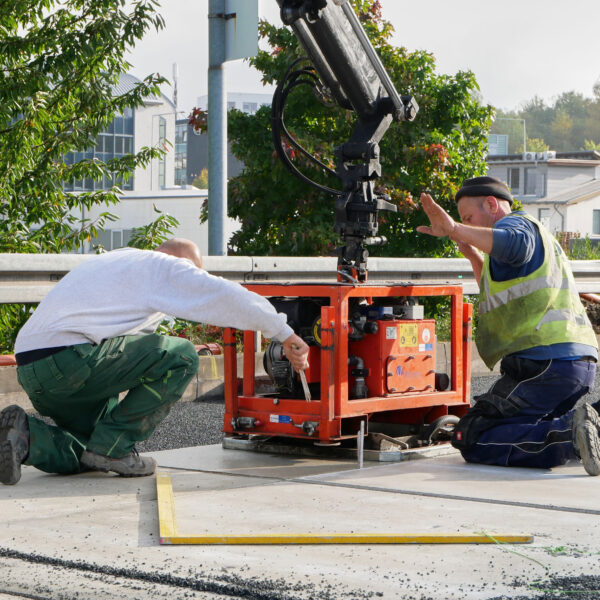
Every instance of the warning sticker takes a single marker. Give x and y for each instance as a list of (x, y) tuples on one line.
[(407, 335), (280, 418), (390, 333)]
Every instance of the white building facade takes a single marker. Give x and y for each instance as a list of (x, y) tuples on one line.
[(245, 101), (561, 189), (149, 188)]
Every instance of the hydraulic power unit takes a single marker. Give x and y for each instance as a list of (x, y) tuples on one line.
[(372, 359)]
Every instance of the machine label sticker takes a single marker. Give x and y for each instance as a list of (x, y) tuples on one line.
[(425, 347), (426, 335), (390, 333), (408, 335), (280, 418)]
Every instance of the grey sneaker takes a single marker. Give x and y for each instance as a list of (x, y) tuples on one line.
[(14, 443), (586, 438), (132, 465)]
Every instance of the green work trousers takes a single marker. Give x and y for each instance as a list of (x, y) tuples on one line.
[(79, 389)]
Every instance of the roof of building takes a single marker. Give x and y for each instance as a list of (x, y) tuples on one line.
[(575, 157), (176, 192), (127, 82), (580, 193)]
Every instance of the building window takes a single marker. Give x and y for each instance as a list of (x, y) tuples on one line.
[(596, 225), (249, 107), (513, 179), (530, 176), (544, 217), (115, 142), (111, 239), (181, 132), (230, 105), (543, 184)]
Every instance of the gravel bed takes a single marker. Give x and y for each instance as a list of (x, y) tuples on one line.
[(194, 423)]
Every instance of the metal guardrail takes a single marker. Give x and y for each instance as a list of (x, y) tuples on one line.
[(29, 277)]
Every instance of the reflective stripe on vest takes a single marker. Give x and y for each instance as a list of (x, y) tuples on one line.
[(563, 315)]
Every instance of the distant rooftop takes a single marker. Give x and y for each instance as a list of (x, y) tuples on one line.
[(586, 191), (574, 155), (127, 82)]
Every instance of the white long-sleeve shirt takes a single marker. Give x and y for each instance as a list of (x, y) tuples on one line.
[(130, 291)]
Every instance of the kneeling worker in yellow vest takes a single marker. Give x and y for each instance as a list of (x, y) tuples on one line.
[(530, 318)]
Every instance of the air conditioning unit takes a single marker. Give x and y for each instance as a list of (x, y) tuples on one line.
[(549, 154), (529, 156), (539, 156)]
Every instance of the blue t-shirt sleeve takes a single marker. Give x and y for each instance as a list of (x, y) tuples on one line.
[(517, 248)]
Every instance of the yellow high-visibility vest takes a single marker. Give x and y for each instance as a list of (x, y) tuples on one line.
[(539, 309)]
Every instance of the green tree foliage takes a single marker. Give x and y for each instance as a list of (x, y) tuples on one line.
[(583, 249), (535, 145), (12, 318), (590, 145), (154, 234), (59, 63), (446, 143), (571, 122)]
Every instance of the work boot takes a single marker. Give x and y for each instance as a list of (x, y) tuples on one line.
[(586, 439), (14, 443), (131, 465)]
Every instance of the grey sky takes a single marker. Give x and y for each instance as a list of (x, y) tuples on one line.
[(516, 48)]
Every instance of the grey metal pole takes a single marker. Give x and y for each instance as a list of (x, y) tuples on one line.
[(217, 130), (360, 446)]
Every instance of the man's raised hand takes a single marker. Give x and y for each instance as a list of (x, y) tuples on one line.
[(442, 223)]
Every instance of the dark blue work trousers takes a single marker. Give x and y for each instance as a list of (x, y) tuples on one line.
[(540, 434)]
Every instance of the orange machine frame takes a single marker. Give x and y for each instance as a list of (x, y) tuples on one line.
[(334, 416)]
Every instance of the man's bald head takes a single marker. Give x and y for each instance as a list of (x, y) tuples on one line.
[(182, 248)]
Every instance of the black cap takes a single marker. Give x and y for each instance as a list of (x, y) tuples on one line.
[(485, 186)]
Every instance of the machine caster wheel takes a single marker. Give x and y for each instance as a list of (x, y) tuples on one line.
[(440, 430)]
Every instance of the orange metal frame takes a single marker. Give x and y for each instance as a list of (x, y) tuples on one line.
[(334, 405)]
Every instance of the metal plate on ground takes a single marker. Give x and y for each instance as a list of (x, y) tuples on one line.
[(287, 446)]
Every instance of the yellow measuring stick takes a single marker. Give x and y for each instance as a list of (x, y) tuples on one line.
[(169, 535)]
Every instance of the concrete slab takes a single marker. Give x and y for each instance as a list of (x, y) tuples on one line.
[(95, 535), (567, 487), (215, 459)]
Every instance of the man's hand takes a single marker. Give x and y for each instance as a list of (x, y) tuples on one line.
[(296, 351), (442, 223)]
